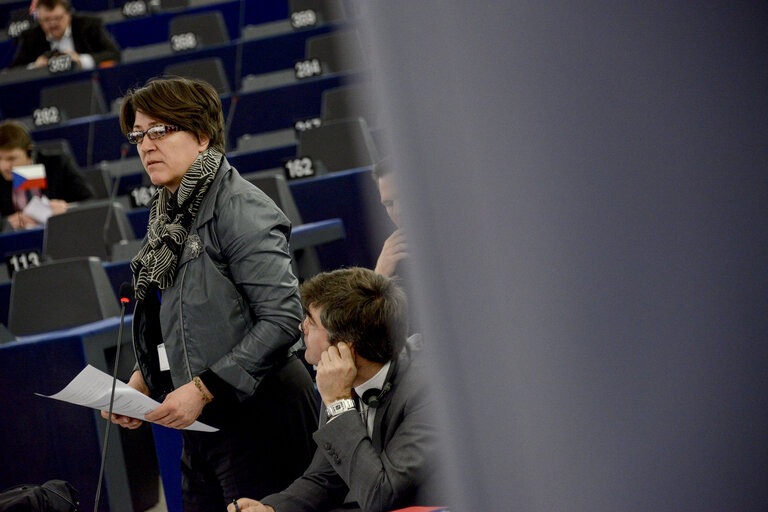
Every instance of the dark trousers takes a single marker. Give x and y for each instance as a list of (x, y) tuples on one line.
[(266, 446)]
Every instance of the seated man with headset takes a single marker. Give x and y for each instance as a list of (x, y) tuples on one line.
[(375, 452), (64, 183)]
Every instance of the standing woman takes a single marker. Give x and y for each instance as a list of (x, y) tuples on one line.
[(217, 305)]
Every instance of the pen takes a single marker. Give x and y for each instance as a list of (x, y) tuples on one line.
[(237, 507)]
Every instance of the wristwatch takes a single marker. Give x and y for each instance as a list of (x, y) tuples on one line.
[(340, 406)]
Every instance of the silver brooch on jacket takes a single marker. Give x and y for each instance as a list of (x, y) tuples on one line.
[(194, 245)]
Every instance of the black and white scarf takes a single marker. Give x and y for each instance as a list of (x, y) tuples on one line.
[(170, 218)]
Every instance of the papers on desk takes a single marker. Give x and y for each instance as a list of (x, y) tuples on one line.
[(92, 388)]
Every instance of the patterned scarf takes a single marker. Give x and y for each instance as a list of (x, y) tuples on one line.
[(169, 221)]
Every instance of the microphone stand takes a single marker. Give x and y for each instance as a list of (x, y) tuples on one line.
[(123, 302)]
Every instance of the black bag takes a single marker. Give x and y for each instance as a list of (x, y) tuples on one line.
[(52, 496)]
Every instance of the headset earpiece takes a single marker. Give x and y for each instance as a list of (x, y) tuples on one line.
[(372, 397)]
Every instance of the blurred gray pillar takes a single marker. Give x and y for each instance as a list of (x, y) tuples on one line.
[(587, 190)]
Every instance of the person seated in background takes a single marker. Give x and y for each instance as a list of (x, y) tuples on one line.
[(395, 247), (64, 183), (59, 31), (393, 259), (374, 453)]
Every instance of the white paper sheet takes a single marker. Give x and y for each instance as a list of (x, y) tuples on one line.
[(92, 388), (39, 208)]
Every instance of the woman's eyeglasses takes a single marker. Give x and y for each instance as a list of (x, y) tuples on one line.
[(154, 133)]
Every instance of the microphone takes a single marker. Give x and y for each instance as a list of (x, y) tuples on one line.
[(372, 397), (126, 294), (112, 196)]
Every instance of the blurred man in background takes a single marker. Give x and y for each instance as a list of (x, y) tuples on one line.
[(59, 31), (395, 247), (64, 183)]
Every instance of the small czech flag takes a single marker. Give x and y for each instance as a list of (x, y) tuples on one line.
[(29, 177)]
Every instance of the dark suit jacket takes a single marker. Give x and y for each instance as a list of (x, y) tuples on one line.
[(393, 469), (88, 34), (64, 182)]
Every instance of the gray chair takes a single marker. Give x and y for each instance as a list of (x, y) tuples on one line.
[(347, 102), (174, 4), (338, 145), (211, 70), (83, 231), (264, 81), (99, 181), (56, 147), (5, 335), (327, 11), (209, 27), (146, 52), (337, 51), (268, 140), (75, 99), (60, 295)]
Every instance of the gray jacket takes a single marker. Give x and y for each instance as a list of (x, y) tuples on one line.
[(395, 467), (234, 306)]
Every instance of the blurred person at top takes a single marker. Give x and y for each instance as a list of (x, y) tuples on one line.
[(60, 31)]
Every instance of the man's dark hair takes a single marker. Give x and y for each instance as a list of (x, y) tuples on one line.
[(13, 135), (51, 4), (380, 170), (362, 308), (192, 105)]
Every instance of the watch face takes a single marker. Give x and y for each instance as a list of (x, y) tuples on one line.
[(340, 406)]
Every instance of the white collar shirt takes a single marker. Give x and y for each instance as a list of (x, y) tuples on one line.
[(67, 45), (375, 382)]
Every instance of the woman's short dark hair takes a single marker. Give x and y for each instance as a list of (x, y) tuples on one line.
[(365, 309), (192, 105)]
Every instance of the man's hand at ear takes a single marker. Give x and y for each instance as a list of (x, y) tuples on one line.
[(336, 372)]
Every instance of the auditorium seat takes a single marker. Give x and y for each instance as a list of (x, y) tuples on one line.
[(264, 81), (348, 102), (337, 51), (208, 27), (146, 52), (99, 181), (174, 4), (268, 140), (84, 231), (327, 11), (262, 30), (338, 145), (61, 294), (56, 147), (75, 99), (5, 335), (211, 70)]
